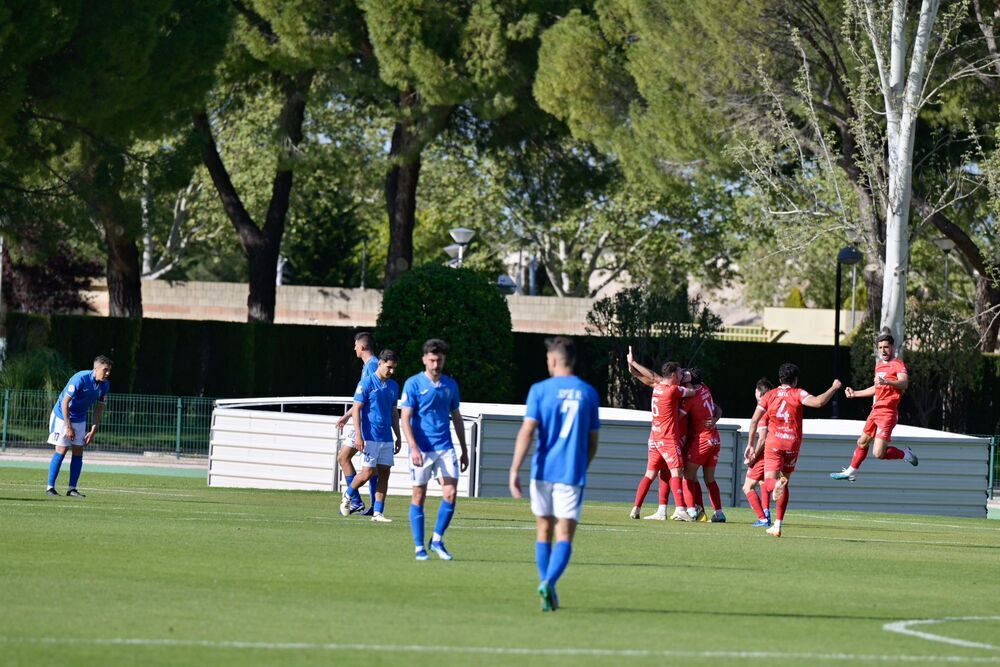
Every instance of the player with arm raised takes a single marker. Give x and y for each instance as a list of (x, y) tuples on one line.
[(665, 434), (755, 467), (782, 407), (891, 380), (376, 420), (655, 464), (429, 410), (68, 421), (364, 348), (563, 410)]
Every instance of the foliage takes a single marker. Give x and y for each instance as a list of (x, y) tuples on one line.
[(38, 368), (460, 307), (659, 326), (795, 299)]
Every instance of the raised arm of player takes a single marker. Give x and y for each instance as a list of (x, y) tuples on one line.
[(640, 372), (901, 383), (456, 420), (824, 398), (859, 393), (405, 415), (522, 444)]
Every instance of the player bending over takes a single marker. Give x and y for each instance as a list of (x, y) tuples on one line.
[(429, 409), (564, 412), (891, 381), (376, 420), (364, 348), (703, 446), (782, 407), (665, 433), (755, 470)]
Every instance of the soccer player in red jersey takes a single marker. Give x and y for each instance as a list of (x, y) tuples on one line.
[(703, 445), (891, 381), (782, 407), (755, 471), (666, 433)]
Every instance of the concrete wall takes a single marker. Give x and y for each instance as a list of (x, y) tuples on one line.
[(809, 326)]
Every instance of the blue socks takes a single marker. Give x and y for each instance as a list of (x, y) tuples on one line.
[(417, 524), (558, 562), (351, 491), (54, 466), (379, 505), (542, 552), (446, 511), (75, 468), (372, 485)]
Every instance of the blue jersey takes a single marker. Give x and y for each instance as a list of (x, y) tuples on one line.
[(566, 409), (378, 403), (432, 406), (369, 368), (84, 390)]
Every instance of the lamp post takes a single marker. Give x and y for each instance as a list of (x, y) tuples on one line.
[(462, 237), (946, 245), (849, 256)]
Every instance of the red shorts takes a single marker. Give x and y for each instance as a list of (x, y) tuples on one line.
[(705, 454), (880, 424), (756, 471), (780, 459), (654, 460), (671, 452)]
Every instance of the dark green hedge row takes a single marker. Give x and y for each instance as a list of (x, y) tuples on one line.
[(233, 359)]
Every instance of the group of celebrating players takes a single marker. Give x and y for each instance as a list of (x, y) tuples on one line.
[(684, 438)]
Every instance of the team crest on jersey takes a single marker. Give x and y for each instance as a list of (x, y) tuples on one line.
[(359, 389)]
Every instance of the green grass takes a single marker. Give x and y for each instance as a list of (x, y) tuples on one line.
[(93, 582)]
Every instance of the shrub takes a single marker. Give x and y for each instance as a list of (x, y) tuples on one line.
[(38, 368), (466, 311)]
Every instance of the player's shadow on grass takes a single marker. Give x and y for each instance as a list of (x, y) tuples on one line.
[(26, 500), (957, 545), (747, 614)]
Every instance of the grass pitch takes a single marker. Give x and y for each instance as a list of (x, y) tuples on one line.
[(164, 571)]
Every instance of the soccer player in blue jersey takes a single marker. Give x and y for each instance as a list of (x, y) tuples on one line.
[(564, 412), (68, 421), (429, 410), (364, 348), (375, 421)]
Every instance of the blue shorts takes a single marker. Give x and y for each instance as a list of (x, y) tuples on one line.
[(377, 454)]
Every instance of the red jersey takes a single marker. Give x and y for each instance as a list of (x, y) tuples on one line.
[(701, 408), (783, 412), (887, 396), (666, 407)]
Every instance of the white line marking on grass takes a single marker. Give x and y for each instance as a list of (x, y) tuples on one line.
[(106, 489), (903, 628), (501, 650), (896, 522)]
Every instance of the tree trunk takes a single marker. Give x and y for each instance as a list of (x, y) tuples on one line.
[(261, 244), (987, 311), (102, 181), (401, 199)]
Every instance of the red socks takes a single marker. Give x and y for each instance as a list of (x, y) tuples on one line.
[(754, 500), (892, 453), (640, 493), (689, 493), (782, 503), (715, 495), (677, 490), (860, 454), (664, 486)]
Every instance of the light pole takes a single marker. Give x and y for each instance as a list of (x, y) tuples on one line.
[(462, 237), (849, 256), (946, 245)]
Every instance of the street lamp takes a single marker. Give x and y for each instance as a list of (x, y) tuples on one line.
[(946, 245), (462, 237), (849, 256)]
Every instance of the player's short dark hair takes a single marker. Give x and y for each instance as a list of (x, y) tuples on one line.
[(101, 359), (764, 385), (696, 378), (670, 368), (435, 346), (564, 347), (885, 336), (367, 341), (388, 355), (788, 373)]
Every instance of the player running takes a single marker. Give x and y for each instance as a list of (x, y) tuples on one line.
[(564, 411), (755, 470), (376, 420), (364, 348), (666, 434), (429, 410), (891, 380), (782, 408), (68, 421), (703, 446)]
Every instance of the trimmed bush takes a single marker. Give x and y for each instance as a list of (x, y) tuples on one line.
[(466, 311)]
